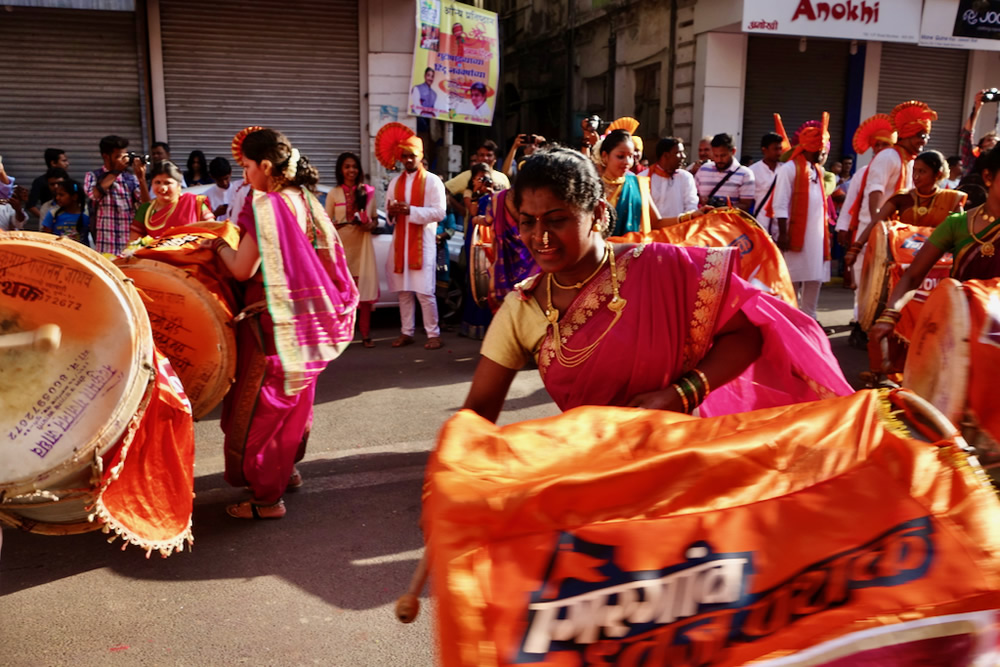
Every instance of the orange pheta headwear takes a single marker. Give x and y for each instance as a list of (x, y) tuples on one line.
[(912, 117), (779, 127), (237, 144), (414, 143), (877, 128)]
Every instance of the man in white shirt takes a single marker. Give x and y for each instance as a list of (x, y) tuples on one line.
[(704, 154), (12, 215), (764, 174), (412, 261), (800, 212), (220, 195), (671, 187), (724, 181)]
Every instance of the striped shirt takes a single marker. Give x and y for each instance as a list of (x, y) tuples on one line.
[(739, 186), (113, 210)]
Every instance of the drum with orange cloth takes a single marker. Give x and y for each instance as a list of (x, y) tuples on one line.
[(97, 433), (761, 263), (190, 297), (854, 530), (481, 263), (954, 360)]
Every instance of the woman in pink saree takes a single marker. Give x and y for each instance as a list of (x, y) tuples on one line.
[(653, 326), (301, 303)]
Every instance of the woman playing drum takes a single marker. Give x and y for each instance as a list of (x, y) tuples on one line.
[(351, 206), (971, 236), (654, 326), (476, 313), (926, 205), (171, 208), (300, 316)]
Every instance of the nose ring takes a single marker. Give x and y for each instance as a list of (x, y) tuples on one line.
[(545, 239)]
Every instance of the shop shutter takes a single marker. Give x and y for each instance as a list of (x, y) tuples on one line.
[(935, 76), (288, 65), (70, 78), (798, 85)]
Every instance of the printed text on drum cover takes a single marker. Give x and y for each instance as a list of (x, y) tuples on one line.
[(688, 613)]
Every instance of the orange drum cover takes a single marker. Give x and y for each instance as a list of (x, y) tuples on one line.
[(810, 534), (984, 353), (937, 365), (761, 263), (191, 326), (61, 409)]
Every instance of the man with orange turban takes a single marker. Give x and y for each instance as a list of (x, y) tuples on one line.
[(875, 133), (799, 207), (416, 203), (891, 170)]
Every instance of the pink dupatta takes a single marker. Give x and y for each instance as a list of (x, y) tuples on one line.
[(310, 293), (677, 299)]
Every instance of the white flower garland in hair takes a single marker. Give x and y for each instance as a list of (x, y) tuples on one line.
[(293, 165)]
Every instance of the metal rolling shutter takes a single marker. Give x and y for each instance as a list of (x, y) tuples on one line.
[(70, 78), (799, 86), (291, 65), (935, 76)]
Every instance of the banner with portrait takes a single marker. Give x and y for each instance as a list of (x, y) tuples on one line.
[(456, 63)]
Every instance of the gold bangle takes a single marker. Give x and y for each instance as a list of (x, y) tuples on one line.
[(684, 400), (704, 381), (694, 390)]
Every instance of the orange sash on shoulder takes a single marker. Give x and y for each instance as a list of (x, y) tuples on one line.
[(413, 242)]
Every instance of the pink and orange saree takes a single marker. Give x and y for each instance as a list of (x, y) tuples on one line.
[(677, 299)]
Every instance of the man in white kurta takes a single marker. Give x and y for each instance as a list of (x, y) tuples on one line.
[(764, 172), (415, 283), (672, 189), (807, 266)]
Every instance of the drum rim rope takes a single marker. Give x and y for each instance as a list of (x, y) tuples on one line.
[(143, 344), (870, 304)]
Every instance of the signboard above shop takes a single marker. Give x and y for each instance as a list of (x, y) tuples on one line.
[(961, 24), (875, 20)]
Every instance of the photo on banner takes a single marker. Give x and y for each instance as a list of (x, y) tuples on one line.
[(456, 63)]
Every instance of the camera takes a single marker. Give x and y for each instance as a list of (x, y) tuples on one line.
[(486, 182), (718, 202), (593, 122), (528, 139), (991, 95), (132, 156)]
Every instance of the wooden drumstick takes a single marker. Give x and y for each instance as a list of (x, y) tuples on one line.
[(886, 361), (45, 338), (408, 604)]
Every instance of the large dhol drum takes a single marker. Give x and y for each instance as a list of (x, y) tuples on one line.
[(761, 263), (481, 263), (848, 531), (889, 252), (954, 361), (191, 307), (62, 411)]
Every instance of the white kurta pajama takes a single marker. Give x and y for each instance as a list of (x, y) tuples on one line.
[(418, 283), (806, 267)]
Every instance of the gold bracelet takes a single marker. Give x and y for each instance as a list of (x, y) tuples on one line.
[(684, 400), (704, 381)]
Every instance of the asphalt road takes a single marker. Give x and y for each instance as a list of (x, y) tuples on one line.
[(315, 588)]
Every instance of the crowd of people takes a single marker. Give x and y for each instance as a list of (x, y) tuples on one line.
[(568, 287)]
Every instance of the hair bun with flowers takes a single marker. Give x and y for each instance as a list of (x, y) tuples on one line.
[(293, 164), (237, 145)]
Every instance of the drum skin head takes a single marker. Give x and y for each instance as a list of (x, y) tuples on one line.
[(191, 326), (59, 409), (874, 283), (937, 365), (479, 269)]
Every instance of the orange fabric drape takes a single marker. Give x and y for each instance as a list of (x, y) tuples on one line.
[(856, 206), (798, 212), (409, 245), (621, 536)]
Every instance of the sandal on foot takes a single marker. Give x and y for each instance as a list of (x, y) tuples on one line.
[(251, 510), (403, 340), (295, 479), (433, 344), (367, 342)]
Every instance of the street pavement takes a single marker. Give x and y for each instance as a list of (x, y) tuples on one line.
[(315, 588)]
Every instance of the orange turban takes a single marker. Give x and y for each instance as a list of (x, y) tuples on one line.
[(877, 128), (912, 117), (814, 135), (637, 142), (414, 143)]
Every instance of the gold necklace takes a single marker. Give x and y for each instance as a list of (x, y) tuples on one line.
[(586, 280), (149, 216), (922, 210), (572, 358), (615, 186), (987, 246)]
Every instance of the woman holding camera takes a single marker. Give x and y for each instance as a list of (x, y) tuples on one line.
[(171, 208), (351, 206)]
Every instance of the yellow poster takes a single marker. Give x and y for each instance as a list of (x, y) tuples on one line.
[(456, 63)]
